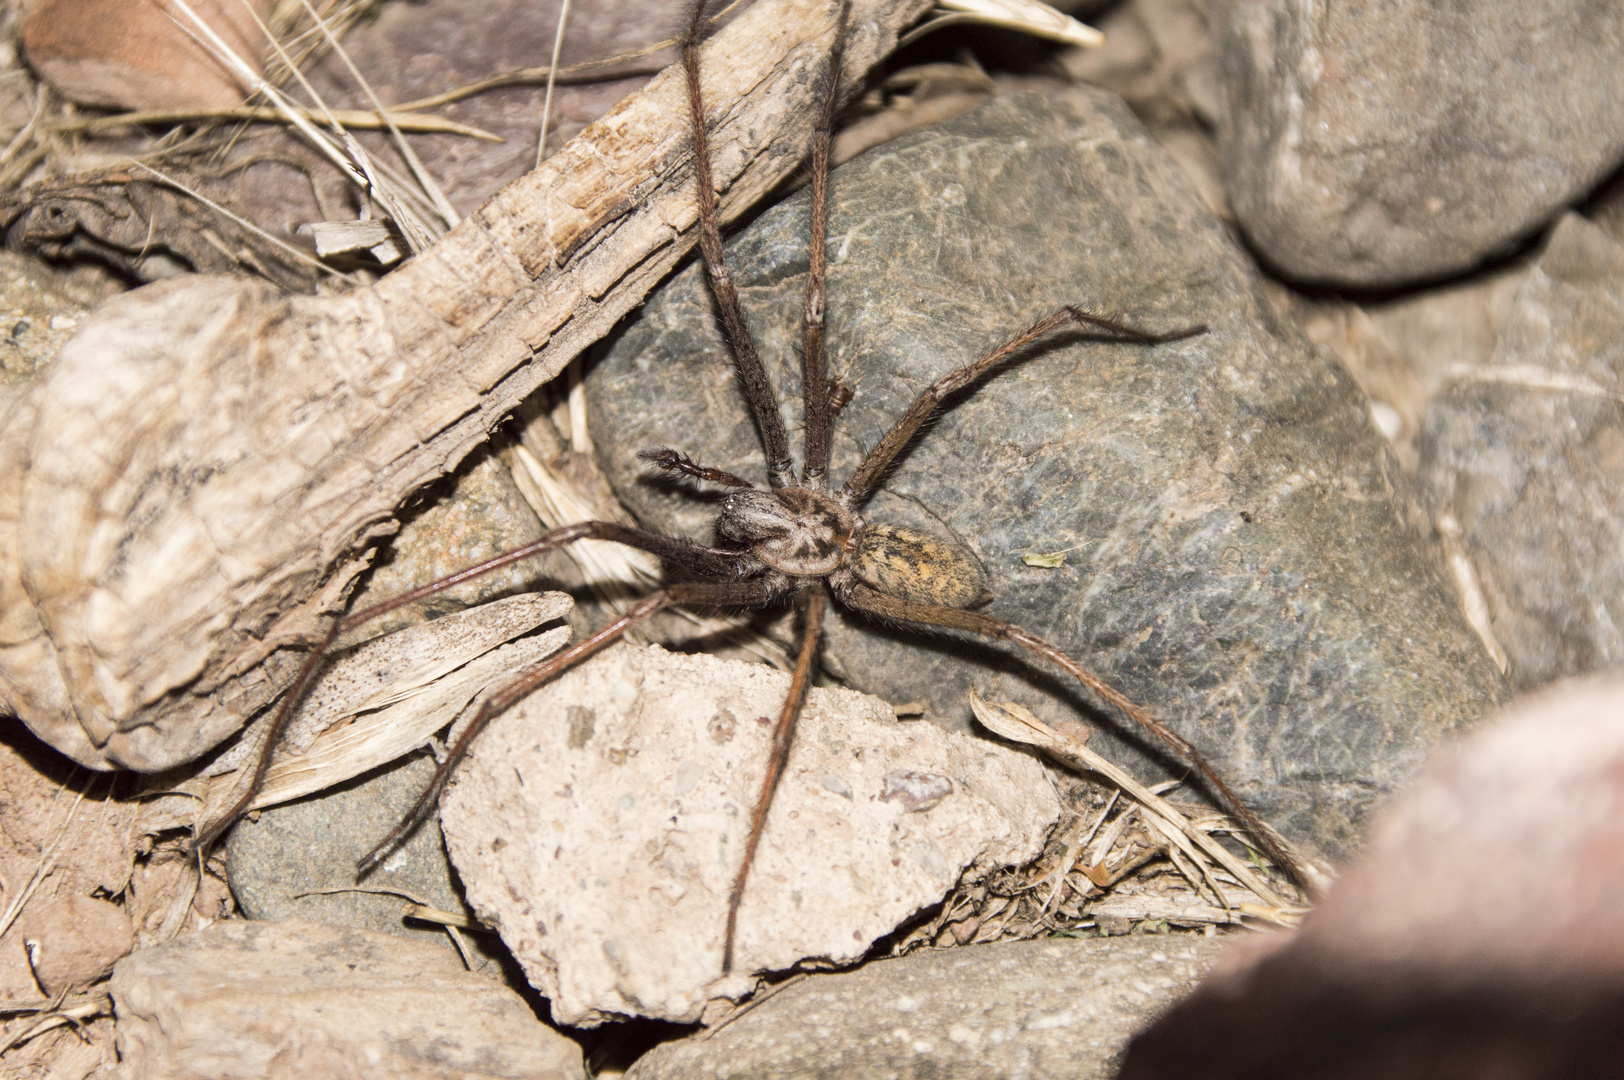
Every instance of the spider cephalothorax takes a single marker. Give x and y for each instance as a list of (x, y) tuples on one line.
[(796, 541)]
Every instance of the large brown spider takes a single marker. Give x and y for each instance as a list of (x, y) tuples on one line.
[(799, 541)]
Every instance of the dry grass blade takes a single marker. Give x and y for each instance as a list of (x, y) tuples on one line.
[(425, 179), (42, 869), (414, 909), (73, 1014), (1024, 16), (1017, 724), (552, 70), (361, 119), (241, 221)]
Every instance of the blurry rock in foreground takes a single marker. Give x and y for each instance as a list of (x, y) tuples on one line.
[(1481, 934), (297, 999), (1379, 144), (598, 824)]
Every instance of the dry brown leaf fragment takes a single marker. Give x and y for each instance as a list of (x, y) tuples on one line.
[(120, 54)]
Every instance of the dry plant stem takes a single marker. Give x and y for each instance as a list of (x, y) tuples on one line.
[(158, 607), (887, 607), (812, 606), (352, 118)]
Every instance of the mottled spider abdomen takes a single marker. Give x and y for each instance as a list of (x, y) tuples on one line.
[(916, 566)]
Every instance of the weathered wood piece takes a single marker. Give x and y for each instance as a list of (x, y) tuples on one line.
[(193, 487)]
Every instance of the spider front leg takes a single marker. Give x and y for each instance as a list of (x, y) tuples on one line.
[(862, 598), (682, 556)]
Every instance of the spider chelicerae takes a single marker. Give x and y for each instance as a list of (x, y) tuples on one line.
[(799, 541)]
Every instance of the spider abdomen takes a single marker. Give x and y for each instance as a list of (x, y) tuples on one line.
[(916, 566)]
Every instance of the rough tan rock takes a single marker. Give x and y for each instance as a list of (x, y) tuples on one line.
[(1060, 1008), (300, 999), (598, 825)]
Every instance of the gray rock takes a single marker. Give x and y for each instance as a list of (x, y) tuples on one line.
[(1056, 1008), (297, 999), (1388, 142), (1232, 557), (1523, 464), (313, 844)]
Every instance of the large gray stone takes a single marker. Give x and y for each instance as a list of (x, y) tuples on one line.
[(1522, 461), (1232, 556), (1386, 142), (1027, 1009)]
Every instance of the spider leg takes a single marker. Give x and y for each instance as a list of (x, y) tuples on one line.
[(867, 475), (681, 555), (811, 605), (814, 383), (865, 599), (668, 460), (731, 594), (752, 377)]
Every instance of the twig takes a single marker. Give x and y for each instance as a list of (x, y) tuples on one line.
[(1021, 726)]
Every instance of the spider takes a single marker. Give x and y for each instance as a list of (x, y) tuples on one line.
[(801, 540)]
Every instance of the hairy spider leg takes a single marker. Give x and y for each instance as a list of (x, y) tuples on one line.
[(689, 557), (752, 377), (814, 382), (862, 598), (726, 594), (783, 738), (867, 475), (758, 393), (890, 608)]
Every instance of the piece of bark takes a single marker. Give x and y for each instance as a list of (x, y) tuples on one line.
[(192, 489)]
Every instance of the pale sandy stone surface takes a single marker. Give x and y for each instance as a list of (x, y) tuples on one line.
[(300, 999), (599, 824)]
